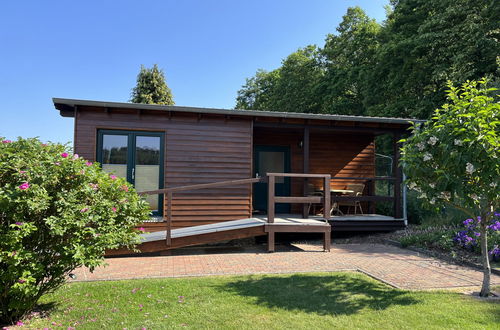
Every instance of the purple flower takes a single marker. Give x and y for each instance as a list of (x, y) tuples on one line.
[(21, 281), (85, 209), (64, 155), (19, 223), (24, 186), (495, 226)]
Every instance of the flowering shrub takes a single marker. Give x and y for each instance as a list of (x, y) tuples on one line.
[(469, 237), (454, 159), (57, 212)]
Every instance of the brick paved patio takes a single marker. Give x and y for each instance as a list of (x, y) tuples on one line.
[(398, 267)]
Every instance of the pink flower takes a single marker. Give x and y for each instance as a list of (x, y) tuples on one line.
[(24, 186), (88, 163), (64, 155), (13, 254), (22, 172), (75, 156), (124, 188), (57, 163), (21, 281), (44, 144), (6, 141), (19, 323), (85, 209), (142, 229), (114, 209), (94, 186), (113, 177)]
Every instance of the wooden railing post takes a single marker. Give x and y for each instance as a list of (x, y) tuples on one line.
[(169, 218), (327, 198), (270, 198)]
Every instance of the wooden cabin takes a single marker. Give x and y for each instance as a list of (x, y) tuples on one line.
[(185, 155)]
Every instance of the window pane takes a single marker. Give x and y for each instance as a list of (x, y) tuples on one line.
[(114, 154), (147, 168), (272, 162)]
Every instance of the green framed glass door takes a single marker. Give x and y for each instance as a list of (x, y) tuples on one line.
[(137, 157)]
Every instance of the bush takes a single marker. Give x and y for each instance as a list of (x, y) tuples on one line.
[(57, 212)]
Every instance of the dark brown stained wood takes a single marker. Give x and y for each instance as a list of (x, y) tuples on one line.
[(177, 242), (197, 151)]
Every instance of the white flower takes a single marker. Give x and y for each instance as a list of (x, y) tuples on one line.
[(432, 201), (446, 195), (474, 197), (422, 196), (458, 142), (469, 168), (412, 185), (493, 184), (432, 140), (432, 185), (420, 146), (427, 156)]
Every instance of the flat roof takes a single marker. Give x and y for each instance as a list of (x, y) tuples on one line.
[(63, 104)]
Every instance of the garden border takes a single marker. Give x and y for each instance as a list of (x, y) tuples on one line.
[(440, 256)]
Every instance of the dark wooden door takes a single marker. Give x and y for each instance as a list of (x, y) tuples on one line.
[(271, 159)]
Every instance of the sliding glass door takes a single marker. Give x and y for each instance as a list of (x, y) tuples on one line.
[(135, 156)]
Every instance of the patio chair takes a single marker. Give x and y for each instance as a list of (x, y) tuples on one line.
[(357, 190), (311, 191)]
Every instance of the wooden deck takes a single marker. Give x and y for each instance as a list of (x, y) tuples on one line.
[(228, 230)]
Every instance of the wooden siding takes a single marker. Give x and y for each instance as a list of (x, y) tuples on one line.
[(337, 154), (197, 150)]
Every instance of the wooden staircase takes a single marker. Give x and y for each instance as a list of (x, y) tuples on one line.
[(169, 239)]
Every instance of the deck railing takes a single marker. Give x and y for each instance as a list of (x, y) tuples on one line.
[(168, 194), (272, 199)]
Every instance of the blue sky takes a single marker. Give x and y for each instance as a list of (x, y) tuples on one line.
[(94, 49)]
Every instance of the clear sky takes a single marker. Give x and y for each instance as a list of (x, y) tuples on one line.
[(93, 49)]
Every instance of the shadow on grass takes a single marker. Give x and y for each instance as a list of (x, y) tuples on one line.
[(339, 294)]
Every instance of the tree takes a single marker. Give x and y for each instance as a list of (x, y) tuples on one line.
[(455, 158), (57, 212), (349, 56), (425, 43), (151, 87), (291, 88)]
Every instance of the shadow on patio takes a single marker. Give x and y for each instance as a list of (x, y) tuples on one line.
[(332, 294)]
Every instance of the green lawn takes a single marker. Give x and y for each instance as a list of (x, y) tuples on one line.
[(298, 301)]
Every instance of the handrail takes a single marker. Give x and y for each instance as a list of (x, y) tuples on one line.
[(272, 198), (201, 186), (170, 195)]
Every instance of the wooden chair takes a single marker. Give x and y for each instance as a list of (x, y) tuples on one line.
[(357, 190), (311, 191)]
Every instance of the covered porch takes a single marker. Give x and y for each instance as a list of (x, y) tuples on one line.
[(365, 196)]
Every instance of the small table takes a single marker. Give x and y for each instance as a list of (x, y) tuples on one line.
[(337, 192)]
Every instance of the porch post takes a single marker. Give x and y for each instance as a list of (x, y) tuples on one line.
[(305, 148), (397, 174)]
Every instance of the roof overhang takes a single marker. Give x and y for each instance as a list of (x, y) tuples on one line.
[(67, 109)]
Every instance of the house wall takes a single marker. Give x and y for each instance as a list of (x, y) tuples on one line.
[(197, 150)]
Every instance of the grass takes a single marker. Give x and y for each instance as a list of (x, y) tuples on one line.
[(298, 301)]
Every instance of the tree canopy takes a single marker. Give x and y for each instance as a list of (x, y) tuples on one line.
[(151, 87), (394, 68)]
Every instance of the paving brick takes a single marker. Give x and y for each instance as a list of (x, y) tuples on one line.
[(399, 267)]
